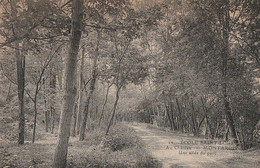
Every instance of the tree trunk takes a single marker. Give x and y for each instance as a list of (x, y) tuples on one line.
[(46, 112), (114, 110), (180, 114), (105, 102), (46, 120), (217, 130), (206, 111), (74, 120), (8, 93), (85, 117), (59, 78), (91, 115), (168, 115), (171, 108), (226, 134), (60, 155), (52, 119), (35, 109), (75, 107), (35, 118), (91, 90), (195, 127), (80, 93), (20, 65), (225, 55), (96, 112), (52, 100), (20, 80)]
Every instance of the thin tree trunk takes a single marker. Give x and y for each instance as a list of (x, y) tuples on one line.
[(96, 112), (52, 100), (8, 93), (91, 90), (59, 78), (35, 108), (114, 110), (60, 155), (80, 92), (35, 118), (194, 120), (74, 120), (217, 130), (208, 129), (206, 110), (172, 115), (92, 104), (168, 115), (226, 133), (46, 119), (85, 117), (105, 102), (167, 111), (180, 114), (46, 112), (52, 119)]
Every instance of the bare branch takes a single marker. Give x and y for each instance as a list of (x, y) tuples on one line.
[(29, 95)]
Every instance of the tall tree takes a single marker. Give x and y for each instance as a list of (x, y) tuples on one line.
[(225, 20), (20, 63), (91, 90), (60, 155)]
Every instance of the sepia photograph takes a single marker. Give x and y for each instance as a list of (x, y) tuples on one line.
[(129, 84)]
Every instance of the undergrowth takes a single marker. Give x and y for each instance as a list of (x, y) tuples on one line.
[(120, 149)]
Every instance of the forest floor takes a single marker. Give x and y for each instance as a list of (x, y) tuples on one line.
[(176, 150), (129, 145), (120, 149)]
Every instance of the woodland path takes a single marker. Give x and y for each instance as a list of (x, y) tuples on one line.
[(169, 148)]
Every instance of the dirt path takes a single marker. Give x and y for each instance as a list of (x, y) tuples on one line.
[(176, 150)]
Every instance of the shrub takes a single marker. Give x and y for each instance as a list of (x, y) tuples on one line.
[(121, 137)]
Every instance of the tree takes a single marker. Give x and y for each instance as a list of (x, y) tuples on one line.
[(38, 85), (225, 20), (91, 90), (60, 155), (122, 72), (20, 63)]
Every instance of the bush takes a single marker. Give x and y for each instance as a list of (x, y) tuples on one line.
[(121, 137)]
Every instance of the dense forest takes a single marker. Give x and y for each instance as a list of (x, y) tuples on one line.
[(69, 67)]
